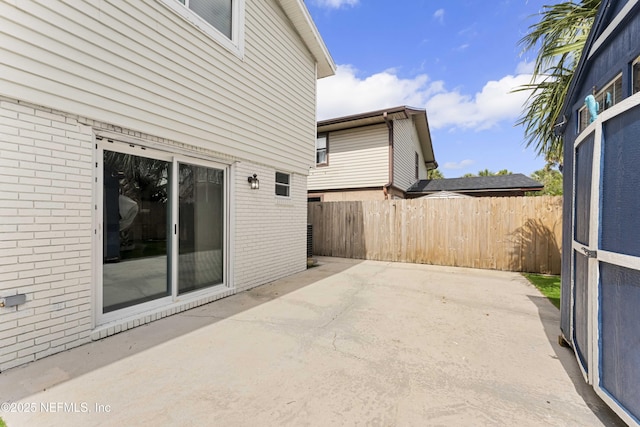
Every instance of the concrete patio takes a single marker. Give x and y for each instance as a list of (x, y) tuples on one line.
[(346, 343)]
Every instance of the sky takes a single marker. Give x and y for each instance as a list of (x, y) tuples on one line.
[(458, 59)]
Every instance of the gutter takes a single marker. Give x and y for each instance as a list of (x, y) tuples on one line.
[(385, 188), (431, 165)]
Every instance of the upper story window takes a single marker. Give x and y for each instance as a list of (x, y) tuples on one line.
[(283, 184), (583, 119), (322, 150), (417, 165), (218, 13), (635, 76), (611, 94), (220, 19), (606, 98)]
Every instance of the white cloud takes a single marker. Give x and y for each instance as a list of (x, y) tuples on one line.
[(335, 4), (458, 165), (439, 15), (525, 67), (348, 93), (483, 110)]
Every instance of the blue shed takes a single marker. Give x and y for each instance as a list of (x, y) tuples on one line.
[(600, 313)]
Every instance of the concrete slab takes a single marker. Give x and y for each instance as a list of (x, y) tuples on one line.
[(346, 343)]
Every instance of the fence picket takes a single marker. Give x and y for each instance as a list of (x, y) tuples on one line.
[(502, 233)]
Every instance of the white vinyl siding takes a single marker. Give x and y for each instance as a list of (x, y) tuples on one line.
[(359, 158), (48, 206), (141, 66), (405, 146)]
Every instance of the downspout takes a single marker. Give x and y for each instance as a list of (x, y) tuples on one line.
[(386, 187)]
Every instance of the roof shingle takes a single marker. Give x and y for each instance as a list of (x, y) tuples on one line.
[(477, 183)]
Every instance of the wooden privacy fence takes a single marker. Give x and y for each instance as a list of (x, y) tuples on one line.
[(501, 233)]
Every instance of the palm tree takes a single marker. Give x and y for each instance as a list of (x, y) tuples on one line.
[(552, 180), (560, 36), (504, 172), (435, 174), (487, 172)]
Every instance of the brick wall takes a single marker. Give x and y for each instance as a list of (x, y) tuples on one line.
[(45, 231), (270, 231)]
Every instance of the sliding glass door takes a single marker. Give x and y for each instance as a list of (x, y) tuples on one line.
[(163, 228), (201, 219), (136, 228)]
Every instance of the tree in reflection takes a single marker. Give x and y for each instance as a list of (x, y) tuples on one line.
[(141, 178), (136, 196)]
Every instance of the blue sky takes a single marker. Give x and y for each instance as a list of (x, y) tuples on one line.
[(459, 59)]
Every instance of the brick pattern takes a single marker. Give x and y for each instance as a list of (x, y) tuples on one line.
[(46, 204), (270, 231), (45, 231), (122, 325)]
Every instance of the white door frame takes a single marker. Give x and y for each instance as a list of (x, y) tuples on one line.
[(608, 257), (594, 376), (585, 249), (139, 148)]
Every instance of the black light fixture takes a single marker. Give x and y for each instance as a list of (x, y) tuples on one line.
[(254, 181)]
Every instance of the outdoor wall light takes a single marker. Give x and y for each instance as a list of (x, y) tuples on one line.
[(254, 181)]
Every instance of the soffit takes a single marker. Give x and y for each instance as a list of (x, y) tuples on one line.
[(301, 19)]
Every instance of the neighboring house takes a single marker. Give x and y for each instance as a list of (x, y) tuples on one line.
[(153, 157), (515, 184), (600, 311), (371, 156)]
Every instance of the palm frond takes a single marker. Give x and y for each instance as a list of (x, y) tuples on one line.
[(559, 37)]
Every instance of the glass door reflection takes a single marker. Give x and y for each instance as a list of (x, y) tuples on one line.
[(201, 227), (136, 207)]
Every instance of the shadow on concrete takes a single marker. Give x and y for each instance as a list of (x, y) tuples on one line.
[(549, 317), (23, 381)]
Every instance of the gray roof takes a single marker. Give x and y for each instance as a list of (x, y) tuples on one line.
[(516, 181)]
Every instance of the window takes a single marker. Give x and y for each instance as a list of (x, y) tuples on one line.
[(283, 183), (606, 98), (216, 12), (611, 94), (635, 76), (417, 166), (322, 158), (583, 119), (222, 20)]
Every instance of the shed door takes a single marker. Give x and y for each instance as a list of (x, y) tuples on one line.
[(584, 247), (606, 257), (618, 295)]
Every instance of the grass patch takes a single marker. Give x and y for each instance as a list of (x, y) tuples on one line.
[(2, 423), (548, 285)]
